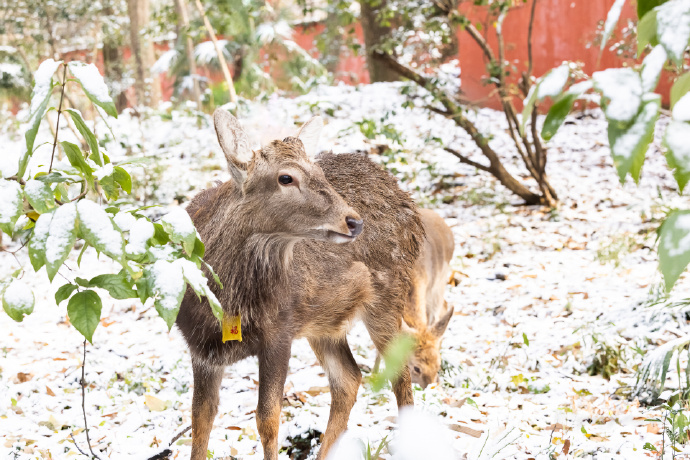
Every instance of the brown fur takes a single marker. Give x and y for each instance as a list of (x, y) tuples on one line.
[(427, 314), (272, 247)]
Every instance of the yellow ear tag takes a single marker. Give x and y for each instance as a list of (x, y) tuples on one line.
[(232, 328)]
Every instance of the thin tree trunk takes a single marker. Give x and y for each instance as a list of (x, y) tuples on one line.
[(112, 61), (183, 34), (147, 87), (374, 33), (221, 58)]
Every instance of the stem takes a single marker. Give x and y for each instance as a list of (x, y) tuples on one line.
[(59, 111), (83, 402)]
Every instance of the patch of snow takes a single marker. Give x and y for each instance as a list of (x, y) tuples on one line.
[(19, 296), (678, 141), (673, 27), (180, 221), (124, 220), (612, 20), (102, 171), (61, 232), (681, 111), (205, 52), (682, 246), (140, 233), (168, 283), (421, 436), (10, 200), (623, 90), (94, 219), (552, 83), (42, 83), (41, 231), (626, 144), (91, 79), (651, 68), (165, 62)]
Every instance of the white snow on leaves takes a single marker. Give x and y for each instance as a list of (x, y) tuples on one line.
[(673, 27), (682, 246), (61, 232), (623, 90), (10, 199), (552, 83), (139, 234), (97, 222), (42, 86), (91, 79), (180, 221), (19, 295), (168, 283)]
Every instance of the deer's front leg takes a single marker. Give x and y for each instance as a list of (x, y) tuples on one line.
[(273, 368), (204, 406)]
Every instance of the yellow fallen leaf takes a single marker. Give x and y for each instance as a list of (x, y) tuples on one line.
[(154, 404)]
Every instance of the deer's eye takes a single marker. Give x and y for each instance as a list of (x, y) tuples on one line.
[(417, 370), (284, 179)]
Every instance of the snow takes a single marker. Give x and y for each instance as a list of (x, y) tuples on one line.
[(168, 283), (623, 89), (180, 221), (677, 139), (139, 234), (422, 436), (205, 52), (673, 27), (34, 189), (552, 83), (10, 200), (124, 220), (681, 111), (91, 79), (61, 232), (102, 171), (97, 223), (556, 286), (612, 20), (651, 68), (626, 144), (165, 62), (18, 294), (41, 231), (42, 83)]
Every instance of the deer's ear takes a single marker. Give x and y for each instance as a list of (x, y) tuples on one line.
[(234, 142), (309, 134), (441, 325)]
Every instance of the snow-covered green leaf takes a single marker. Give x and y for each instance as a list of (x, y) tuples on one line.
[(61, 237), (37, 245), (64, 292), (216, 278), (198, 282), (123, 178), (677, 145), (142, 230), (18, 300), (561, 109), (179, 226), (611, 21), (550, 85), (98, 229), (10, 204), (168, 286), (76, 159), (651, 377), (674, 246), (629, 142), (652, 66), (118, 286), (40, 196), (673, 27), (94, 86), (87, 134), (680, 88), (622, 92), (84, 310)]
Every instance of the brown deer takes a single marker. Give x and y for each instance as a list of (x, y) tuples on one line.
[(427, 314), (303, 249)]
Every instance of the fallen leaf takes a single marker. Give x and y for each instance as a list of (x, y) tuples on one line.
[(154, 404), (566, 447), (234, 428), (315, 391), (466, 430), (49, 391), (654, 428), (22, 377)]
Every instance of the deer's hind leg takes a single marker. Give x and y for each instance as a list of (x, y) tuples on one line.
[(344, 378), (207, 381), (383, 322)]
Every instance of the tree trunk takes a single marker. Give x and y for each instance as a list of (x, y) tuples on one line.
[(183, 34), (374, 33), (147, 88)]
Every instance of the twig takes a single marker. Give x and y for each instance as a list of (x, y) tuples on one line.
[(83, 403), (464, 159), (77, 445), (167, 452), (179, 435), (59, 111)]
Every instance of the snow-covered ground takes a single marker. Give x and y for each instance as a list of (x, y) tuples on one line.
[(539, 295)]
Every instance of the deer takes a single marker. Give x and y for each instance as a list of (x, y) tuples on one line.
[(427, 314), (304, 246)]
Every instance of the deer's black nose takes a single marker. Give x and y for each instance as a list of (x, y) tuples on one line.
[(354, 225)]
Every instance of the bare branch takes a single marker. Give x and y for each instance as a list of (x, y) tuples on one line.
[(59, 111), (464, 159)]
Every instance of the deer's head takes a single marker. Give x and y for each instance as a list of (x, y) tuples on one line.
[(284, 191), (425, 363)]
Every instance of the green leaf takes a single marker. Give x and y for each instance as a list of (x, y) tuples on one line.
[(145, 286), (37, 245), (678, 151), (674, 246), (169, 287), (395, 357), (629, 142), (528, 107), (84, 310), (680, 88), (12, 204), (123, 178), (30, 135), (61, 237), (53, 178), (557, 114), (18, 300), (645, 6), (110, 187), (88, 135), (646, 32), (64, 292), (213, 273), (199, 284), (40, 196), (95, 88), (118, 286), (99, 231), (160, 236), (525, 340), (76, 159), (179, 226)]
